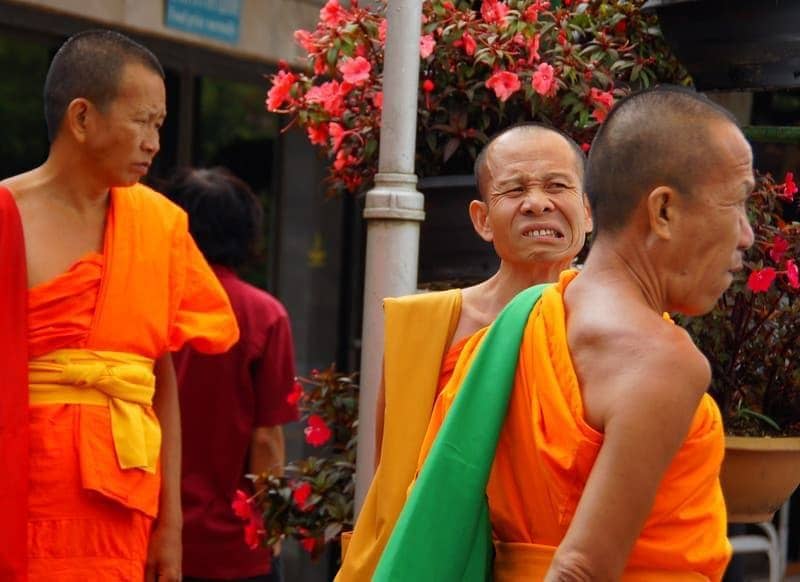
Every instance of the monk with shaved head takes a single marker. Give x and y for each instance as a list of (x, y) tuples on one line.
[(533, 210), (593, 448)]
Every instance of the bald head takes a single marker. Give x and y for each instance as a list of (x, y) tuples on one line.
[(658, 137), (516, 132)]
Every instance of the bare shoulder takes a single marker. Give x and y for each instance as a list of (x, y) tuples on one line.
[(634, 362), (22, 185)]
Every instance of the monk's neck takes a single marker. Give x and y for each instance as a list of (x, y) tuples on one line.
[(63, 179)]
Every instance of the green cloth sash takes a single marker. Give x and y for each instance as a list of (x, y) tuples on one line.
[(443, 533)]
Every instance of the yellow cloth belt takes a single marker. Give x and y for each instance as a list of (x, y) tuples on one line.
[(518, 562), (124, 382)]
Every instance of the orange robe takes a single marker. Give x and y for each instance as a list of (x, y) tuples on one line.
[(148, 293), (546, 452)]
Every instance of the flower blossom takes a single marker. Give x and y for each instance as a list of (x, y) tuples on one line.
[(382, 29), (281, 90), (377, 100), (306, 40), (332, 14), (544, 79), (297, 388), (760, 281), (330, 95), (792, 274), (789, 187), (308, 544), (356, 70), (469, 43), (603, 101), (337, 134), (531, 13), (242, 505), (494, 11), (300, 496), (779, 247), (340, 162), (317, 432), (533, 49), (426, 45), (254, 533), (504, 84)]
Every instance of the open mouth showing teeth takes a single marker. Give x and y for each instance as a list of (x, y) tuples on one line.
[(543, 233)]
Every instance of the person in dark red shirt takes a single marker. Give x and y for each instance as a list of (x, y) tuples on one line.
[(233, 404)]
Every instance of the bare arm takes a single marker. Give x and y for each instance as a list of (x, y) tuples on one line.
[(652, 405), (267, 451), (164, 553)]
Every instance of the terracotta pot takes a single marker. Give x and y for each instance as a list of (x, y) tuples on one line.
[(450, 249), (758, 475)]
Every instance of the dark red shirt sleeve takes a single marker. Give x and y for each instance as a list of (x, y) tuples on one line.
[(274, 376)]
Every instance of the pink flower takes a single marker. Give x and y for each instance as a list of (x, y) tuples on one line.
[(789, 187), (300, 495), (469, 43), (779, 247), (603, 101), (792, 274), (317, 135), (308, 544), (494, 11), (330, 96), (356, 70), (297, 388), (377, 100), (332, 14), (760, 281), (426, 46), (382, 29), (337, 134), (531, 13), (305, 40), (317, 432), (543, 80), (504, 84), (281, 89), (242, 505), (320, 66)]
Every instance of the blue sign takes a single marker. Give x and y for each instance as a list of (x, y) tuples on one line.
[(217, 19)]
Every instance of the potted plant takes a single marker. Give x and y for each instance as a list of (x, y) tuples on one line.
[(737, 44), (483, 66), (752, 340), (312, 501)]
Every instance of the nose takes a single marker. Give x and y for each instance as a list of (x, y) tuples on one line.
[(746, 235), (536, 202), (151, 142)]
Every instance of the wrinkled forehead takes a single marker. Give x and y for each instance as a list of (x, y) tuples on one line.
[(533, 152)]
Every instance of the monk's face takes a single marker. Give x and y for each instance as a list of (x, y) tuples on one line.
[(536, 210), (713, 231), (123, 137)]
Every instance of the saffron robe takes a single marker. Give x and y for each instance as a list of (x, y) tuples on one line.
[(411, 377), (148, 293), (546, 452)]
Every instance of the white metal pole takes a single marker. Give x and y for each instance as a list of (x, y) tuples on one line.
[(393, 210)]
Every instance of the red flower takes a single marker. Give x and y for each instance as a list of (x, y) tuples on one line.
[(332, 14), (779, 247), (494, 11), (377, 100), (351, 182), (543, 80), (789, 187), (449, 6), (426, 46), (340, 162), (308, 544), (320, 66), (792, 274), (760, 281), (305, 40), (337, 133), (317, 432), (297, 388), (356, 70), (621, 28), (504, 84), (469, 43), (533, 50), (330, 95), (242, 505), (428, 86), (585, 147), (382, 28), (281, 89), (603, 101), (300, 495), (253, 533), (531, 13)]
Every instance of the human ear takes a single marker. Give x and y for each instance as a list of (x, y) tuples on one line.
[(662, 211), (479, 215), (587, 210), (77, 118)]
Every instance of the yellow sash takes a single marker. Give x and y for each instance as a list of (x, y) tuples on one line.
[(124, 382)]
